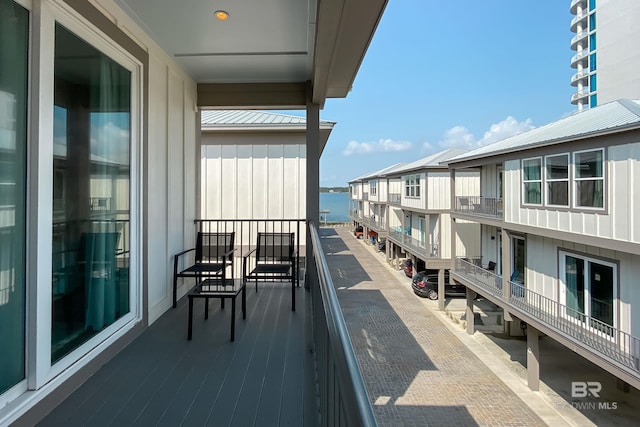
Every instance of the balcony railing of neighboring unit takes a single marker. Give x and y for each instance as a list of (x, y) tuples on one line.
[(579, 76), (579, 17), (579, 95), (395, 198), (374, 222), (415, 245), (342, 395), (478, 205), (599, 337), (575, 39), (575, 3), (355, 215)]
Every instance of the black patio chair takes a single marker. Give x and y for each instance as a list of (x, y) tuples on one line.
[(213, 256), (274, 259)]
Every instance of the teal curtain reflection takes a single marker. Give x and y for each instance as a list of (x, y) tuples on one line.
[(574, 280)]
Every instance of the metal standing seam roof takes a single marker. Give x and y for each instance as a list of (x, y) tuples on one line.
[(618, 115), (436, 160), (251, 118)]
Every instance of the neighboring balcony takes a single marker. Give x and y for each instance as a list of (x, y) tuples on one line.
[(479, 206), (590, 336), (581, 56), (395, 199), (575, 3), (582, 16), (577, 38), (582, 75), (375, 223), (355, 215), (579, 96), (413, 245)]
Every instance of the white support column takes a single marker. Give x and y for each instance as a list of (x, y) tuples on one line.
[(441, 289), (471, 295), (506, 264), (533, 358)]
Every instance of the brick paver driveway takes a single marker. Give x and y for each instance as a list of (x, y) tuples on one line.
[(416, 371)]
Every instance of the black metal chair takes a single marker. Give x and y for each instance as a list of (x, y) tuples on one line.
[(213, 255), (275, 259)]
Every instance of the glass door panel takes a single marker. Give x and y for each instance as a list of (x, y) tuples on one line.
[(14, 49), (91, 185), (601, 287)]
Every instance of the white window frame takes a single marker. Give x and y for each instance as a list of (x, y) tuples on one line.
[(548, 180), (562, 271), (412, 186), (576, 180), (524, 182), (373, 187), (40, 371)]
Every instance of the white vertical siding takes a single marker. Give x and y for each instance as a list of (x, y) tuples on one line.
[(414, 202), (622, 198), (467, 238), (489, 181), (383, 189), (489, 240), (438, 190), (467, 183), (253, 181), (171, 176)]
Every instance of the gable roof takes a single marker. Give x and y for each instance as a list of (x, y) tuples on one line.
[(436, 160), (616, 116)]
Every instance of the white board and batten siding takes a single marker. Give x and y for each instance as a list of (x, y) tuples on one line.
[(438, 190), (171, 172), (253, 181), (621, 222), (414, 202), (467, 183), (542, 262), (383, 190), (489, 180)]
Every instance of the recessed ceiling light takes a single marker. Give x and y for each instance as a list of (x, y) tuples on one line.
[(221, 15)]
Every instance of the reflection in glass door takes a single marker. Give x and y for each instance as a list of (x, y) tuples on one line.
[(14, 48), (91, 185)]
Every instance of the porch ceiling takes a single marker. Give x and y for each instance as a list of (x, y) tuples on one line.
[(264, 42)]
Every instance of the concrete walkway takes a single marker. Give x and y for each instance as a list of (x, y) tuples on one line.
[(417, 369)]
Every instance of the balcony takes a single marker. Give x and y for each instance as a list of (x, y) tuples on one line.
[(479, 206), (267, 376), (355, 215), (583, 56), (577, 38), (582, 75), (575, 3), (395, 199), (413, 245), (581, 94), (580, 17), (619, 350), (375, 223)]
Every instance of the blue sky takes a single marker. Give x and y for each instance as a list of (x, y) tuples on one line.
[(442, 74)]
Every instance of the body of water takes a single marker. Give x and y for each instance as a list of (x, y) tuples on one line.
[(338, 204)]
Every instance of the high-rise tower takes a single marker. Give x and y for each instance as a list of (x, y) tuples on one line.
[(607, 45)]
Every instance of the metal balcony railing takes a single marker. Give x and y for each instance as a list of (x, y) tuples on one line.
[(374, 222), (343, 397), (355, 215), (416, 246), (478, 205), (601, 338), (395, 198)]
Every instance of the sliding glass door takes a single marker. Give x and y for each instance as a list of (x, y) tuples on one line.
[(91, 192), (14, 49)]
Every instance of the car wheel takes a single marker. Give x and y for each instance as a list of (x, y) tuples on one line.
[(433, 295)]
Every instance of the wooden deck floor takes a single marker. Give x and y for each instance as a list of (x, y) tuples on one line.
[(264, 378)]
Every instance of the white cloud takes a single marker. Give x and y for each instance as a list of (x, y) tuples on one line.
[(460, 137), (380, 146)]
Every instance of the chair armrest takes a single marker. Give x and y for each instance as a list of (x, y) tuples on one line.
[(228, 253), (249, 253), (176, 257)]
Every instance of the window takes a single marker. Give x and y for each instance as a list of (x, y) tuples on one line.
[(592, 22), (373, 187), (593, 83), (593, 100), (532, 181), (592, 4), (557, 175), (14, 53), (412, 186), (592, 42), (589, 288), (592, 62), (589, 179), (91, 162)]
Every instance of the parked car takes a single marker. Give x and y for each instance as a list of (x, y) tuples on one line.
[(358, 232), (407, 266), (382, 244), (425, 285)]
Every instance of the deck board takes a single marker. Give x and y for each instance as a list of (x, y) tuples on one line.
[(162, 379)]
